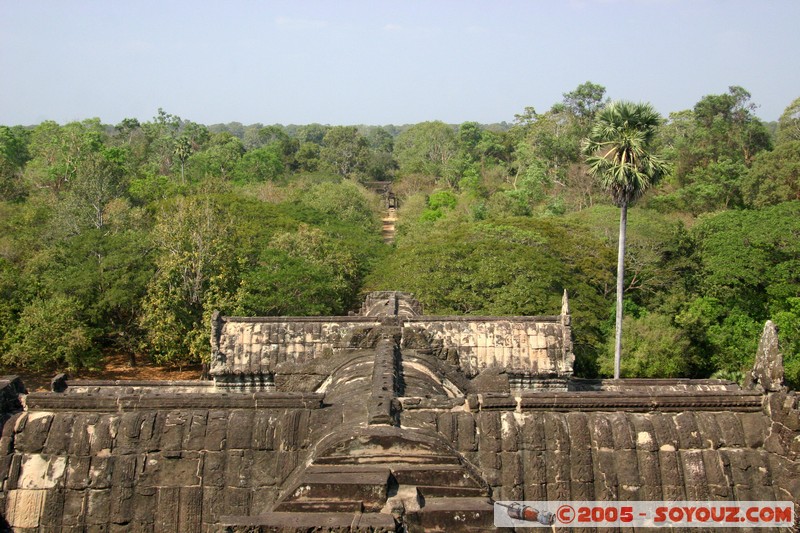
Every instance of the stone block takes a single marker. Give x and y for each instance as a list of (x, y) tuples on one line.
[(720, 492), (621, 431), (237, 501), (731, 431), (78, 472), (467, 441), (605, 475), (124, 472), (760, 473), (14, 471), (293, 429), (216, 431), (559, 491), (710, 435), (582, 491), (149, 471), (105, 431), (24, 508), (536, 492), (714, 468), (507, 492), (167, 509), (128, 437), (263, 500), (785, 477), (688, 433), (777, 440), (533, 466), (649, 474), (600, 431), (694, 474), (179, 472), (581, 467), (287, 464), (512, 471), (509, 432), (556, 432), (10, 426), (532, 436), (75, 508), (191, 509), (53, 510), (240, 430), (264, 430), (145, 502), (194, 438), (580, 437), (489, 463), (747, 493), (666, 434), (238, 468), (629, 479), (100, 471), (7, 446), (214, 469), (490, 432), (557, 466), (122, 504), (754, 428), (34, 434), (98, 507), (213, 505), (446, 425), (60, 434), (645, 434), (39, 471), (674, 493), (767, 373), (174, 427), (152, 426), (418, 419), (5, 466), (264, 469)]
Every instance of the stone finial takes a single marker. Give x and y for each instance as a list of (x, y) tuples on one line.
[(216, 330), (59, 383), (767, 372), (565, 319)]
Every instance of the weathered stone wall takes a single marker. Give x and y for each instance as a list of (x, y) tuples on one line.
[(534, 345), (530, 345), (147, 470), (260, 345), (549, 455)]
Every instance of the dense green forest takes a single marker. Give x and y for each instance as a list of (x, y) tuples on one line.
[(124, 238)]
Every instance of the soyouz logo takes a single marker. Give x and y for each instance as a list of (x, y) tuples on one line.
[(706, 514)]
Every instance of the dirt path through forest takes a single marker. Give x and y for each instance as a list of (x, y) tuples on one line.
[(388, 225)]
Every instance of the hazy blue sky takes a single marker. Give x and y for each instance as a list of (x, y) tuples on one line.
[(381, 62)]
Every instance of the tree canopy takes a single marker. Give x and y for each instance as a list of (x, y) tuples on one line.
[(124, 238)]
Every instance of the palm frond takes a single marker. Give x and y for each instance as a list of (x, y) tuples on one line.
[(619, 150)]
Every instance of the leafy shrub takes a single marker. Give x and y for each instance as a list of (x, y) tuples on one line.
[(51, 333)]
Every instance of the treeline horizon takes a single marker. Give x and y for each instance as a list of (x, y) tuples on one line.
[(125, 238)]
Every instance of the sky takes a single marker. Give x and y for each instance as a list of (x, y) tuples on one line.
[(384, 62)]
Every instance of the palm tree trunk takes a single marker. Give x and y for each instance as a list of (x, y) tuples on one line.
[(623, 223)]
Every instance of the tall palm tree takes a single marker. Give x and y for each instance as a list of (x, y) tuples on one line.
[(619, 151), (183, 149)]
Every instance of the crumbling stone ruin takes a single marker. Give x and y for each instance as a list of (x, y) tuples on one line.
[(387, 420)]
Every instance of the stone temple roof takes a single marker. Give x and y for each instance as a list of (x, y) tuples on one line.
[(383, 425)]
